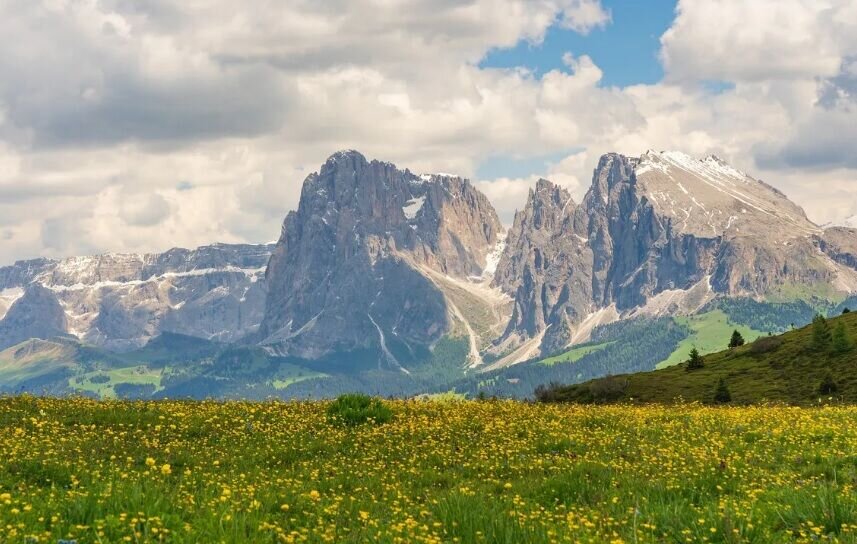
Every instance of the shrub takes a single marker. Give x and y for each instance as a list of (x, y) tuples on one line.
[(828, 386), (766, 344), (356, 409), (551, 392), (608, 389)]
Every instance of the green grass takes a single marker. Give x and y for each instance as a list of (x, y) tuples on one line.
[(710, 333), (574, 355), (136, 375), (283, 383), (435, 472), (790, 372)]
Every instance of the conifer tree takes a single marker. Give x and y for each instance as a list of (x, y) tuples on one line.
[(722, 395), (841, 342), (695, 361), (736, 340), (821, 336)]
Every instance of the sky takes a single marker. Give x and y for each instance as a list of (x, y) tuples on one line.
[(139, 125)]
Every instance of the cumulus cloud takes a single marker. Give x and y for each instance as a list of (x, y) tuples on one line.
[(144, 210), (128, 125), (735, 40)]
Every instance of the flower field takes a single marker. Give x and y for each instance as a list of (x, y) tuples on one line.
[(457, 471)]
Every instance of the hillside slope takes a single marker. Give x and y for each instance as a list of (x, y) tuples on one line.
[(782, 368)]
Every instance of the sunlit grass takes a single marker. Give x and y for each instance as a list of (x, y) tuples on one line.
[(463, 471)]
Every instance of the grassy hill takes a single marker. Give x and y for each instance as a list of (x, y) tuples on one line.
[(785, 368), (709, 333)]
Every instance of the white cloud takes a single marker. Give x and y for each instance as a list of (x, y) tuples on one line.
[(736, 40), (584, 15), (185, 123)]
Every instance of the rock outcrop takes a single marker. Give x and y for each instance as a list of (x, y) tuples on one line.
[(353, 269), (663, 223), (548, 268)]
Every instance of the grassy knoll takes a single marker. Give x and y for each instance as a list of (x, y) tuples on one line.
[(460, 471)]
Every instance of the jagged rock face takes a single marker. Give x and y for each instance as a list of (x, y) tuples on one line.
[(37, 314), (637, 252), (667, 221), (548, 268), (346, 272), (840, 244), (121, 301), (662, 223)]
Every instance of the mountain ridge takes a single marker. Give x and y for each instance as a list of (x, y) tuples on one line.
[(378, 266)]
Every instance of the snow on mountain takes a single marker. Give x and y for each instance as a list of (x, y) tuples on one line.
[(708, 197), (120, 301)]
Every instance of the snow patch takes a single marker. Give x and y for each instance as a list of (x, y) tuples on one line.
[(252, 272), (493, 257), (413, 206)]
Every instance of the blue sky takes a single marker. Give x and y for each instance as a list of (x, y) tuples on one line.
[(626, 49)]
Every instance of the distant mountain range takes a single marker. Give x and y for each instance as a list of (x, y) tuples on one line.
[(401, 283)]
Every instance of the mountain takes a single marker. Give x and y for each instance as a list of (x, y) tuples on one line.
[(120, 301), (380, 263), (391, 282), (662, 234), (37, 314), (786, 368)]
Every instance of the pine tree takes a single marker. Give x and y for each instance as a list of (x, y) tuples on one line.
[(695, 361), (828, 386), (821, 336), (736, 340), (722, 395), (841, 342)]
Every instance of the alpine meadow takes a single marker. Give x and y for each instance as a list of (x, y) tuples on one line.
[(428, 271)]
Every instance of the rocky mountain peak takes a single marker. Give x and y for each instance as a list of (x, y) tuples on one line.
[(546, 266), (709, 197), (661, 223), (349, 271)]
